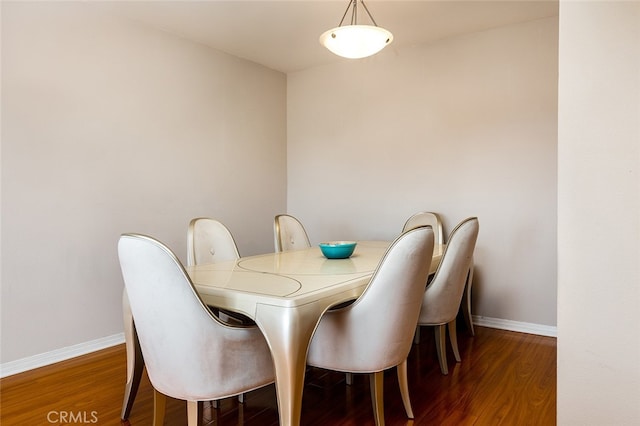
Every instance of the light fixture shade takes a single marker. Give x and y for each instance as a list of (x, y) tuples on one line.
[(356, 41)]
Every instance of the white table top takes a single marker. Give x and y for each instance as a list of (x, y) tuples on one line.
[(290, 278)]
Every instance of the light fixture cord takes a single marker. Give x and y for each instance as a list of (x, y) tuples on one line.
[(346, 11), (354, 13), (368, 13)]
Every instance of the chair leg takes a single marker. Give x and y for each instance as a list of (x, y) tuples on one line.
[(216, 404), (404, 388), (195, 411), (376, 381), (348, 378), (159, 405), (453, 336), (240, 416), (441, 347), (466, 301), (135, 361)]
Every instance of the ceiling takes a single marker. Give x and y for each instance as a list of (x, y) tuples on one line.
[(283, 35)]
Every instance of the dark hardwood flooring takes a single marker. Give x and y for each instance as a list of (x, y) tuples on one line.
[(505, 378)]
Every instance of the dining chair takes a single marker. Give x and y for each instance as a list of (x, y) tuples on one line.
[(423, 219), (375, 332), (289, 233), (189, 353), (433, 219), (209, 241), (442, 297)]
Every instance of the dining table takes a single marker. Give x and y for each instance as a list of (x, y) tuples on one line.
[(286, 294)]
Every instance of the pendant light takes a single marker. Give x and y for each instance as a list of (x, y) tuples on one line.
[(356, 41)]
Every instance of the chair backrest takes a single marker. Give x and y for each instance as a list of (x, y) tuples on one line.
[(376, 331), (426, 218), (185, 348), (209, 241), (441, 300), (289, 234)]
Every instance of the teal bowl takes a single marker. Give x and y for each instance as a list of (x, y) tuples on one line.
[(337, 249)]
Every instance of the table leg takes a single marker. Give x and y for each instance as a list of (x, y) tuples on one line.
[(135, 362), (288, 332)]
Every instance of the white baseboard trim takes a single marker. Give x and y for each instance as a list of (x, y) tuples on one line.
[(62, 354), (522, 327)]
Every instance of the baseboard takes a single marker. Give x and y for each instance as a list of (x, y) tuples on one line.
[(522, 327), (62, 354)]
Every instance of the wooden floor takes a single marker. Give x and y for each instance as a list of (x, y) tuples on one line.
[(505, 378)]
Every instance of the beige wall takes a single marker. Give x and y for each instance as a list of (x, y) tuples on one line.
[(465, 127), (110, 128), (91, 110), (599, 214)]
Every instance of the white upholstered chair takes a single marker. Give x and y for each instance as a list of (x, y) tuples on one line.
[(209, 241), (189, 353), (375, 332), (433, 220), (289, 233), (442, 297), (423, 219)]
